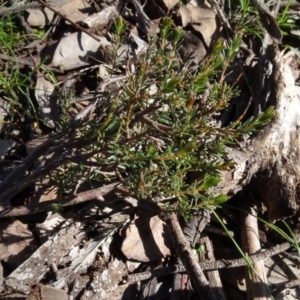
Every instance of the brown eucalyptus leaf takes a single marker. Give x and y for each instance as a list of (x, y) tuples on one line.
[(268, 21), (170, 3), (202, 19), (146, 238), (75, 50), (16, 243), (270, 24), (75, 10), (192, 44)]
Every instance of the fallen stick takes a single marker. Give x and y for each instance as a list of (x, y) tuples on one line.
[(210, 265)]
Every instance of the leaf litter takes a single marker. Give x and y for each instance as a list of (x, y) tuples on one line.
[(78, 256)]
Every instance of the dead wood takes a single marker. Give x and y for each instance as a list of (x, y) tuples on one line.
[(212, 275), (256, 278), (211, 265), (270, 159), (192, 232), (18, 8), (189, 260), (95, 194)]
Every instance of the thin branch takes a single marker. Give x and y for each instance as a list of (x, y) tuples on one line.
[(98, 194), (28, 180), (160, 127), (70, 21), (188, 258), (95, 194), (18, 8), (211, 265)]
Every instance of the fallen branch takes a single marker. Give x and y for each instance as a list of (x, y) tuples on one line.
[(188, 258), (210, 265), (95, 194), (18, 8)]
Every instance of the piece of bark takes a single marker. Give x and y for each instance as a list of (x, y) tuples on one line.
[(257, 283), (270, 160), (47, 293), (213, 276), (195, 226)]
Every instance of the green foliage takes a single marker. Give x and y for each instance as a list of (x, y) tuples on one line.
[(14, 85), (244, 18), (38, 32), (9, 35), (159, 131), (288, 22)]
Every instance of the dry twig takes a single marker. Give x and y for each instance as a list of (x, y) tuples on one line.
[(70, 21), (211, 265), (188, 259)]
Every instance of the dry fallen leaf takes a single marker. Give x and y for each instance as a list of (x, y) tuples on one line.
[(75, 50), (146, 238), (16, 243), (75, 10), (170, 3), (202, 20), (191, 44)]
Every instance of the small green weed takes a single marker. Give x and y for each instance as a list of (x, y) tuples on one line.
[(15, 84)]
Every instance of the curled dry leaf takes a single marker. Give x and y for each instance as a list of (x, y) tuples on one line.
[(75, 50), (146, 238), (202, 19), (75, 10), (191, 44), (15, 244)]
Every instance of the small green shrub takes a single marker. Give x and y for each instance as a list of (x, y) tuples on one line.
[(159, 127)]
